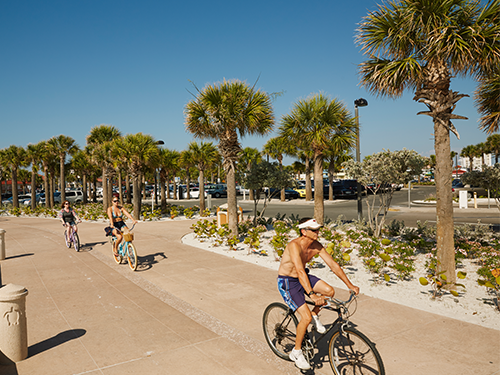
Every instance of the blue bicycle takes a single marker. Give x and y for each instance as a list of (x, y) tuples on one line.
[(126, 249)]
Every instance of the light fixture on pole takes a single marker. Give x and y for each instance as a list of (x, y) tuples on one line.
[(358, 103)]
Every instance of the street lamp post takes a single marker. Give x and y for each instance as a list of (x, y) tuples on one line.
[(359, 103)]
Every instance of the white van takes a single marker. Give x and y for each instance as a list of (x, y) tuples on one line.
[(74, 196)]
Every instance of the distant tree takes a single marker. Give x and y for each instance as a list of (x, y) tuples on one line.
[(203, 155), (381, 173), (33, 156), (14, 157), (265, 174), (469, 152), (248, 156), (493, 145)]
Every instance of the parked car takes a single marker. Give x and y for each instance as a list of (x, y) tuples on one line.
[(20, 198), (38, 199), (57, 197), (457, 186), (276, 193), (74, 196), (216, 190), (343, 189), (194, 193)]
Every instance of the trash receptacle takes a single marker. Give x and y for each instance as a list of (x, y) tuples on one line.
[(13, 326), (180, 192), (462, 199)]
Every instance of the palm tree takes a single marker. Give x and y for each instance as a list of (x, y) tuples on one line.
[(14, 157), (298, 168), (140, 151), (64, 146), (306, 155), (186, 162), (203, 156), (81, 163), (419, 45), (469, 152), (99, 140), (248, 156), (481, 149), (221, 111), (34, 156), (317, 121), (493, 145), (168, 164), (488, 101)]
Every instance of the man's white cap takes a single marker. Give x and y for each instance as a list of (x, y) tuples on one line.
[(310, 224)]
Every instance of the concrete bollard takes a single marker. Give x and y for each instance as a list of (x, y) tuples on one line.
[(13, 327), (2, 244)]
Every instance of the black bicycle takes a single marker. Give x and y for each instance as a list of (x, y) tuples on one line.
[(350, 351)]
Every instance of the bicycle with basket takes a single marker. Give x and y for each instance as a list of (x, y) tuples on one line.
[(126, 249)]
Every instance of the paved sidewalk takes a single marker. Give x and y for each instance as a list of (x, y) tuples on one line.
[(189, 311)]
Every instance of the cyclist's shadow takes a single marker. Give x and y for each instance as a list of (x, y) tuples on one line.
[(90, 246), (146, 262)]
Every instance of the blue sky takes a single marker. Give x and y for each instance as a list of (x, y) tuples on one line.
[(67, 66)]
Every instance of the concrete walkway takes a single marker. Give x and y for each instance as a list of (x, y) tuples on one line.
[(189, 311)]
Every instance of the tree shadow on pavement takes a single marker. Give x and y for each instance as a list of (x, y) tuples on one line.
[(146, 262)]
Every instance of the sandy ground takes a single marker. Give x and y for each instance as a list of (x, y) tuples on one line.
[(475, 305)]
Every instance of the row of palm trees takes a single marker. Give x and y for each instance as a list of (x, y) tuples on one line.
[(492, 145)]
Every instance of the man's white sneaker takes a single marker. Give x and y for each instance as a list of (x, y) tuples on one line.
[(298, 357), (320, 328)]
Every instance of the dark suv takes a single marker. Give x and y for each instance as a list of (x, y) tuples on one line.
[(343, 189)]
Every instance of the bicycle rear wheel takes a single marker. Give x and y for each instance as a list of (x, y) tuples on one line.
[(76, 241), (280, 328), (131, 256), (118, 258), (351, 352), (67, 239)]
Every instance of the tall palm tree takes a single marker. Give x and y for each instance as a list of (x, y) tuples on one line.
[(316, 121), (82, 164), (186, 162), (481, 149), (248, 156), (168, 162), (14, 157), (34, 157), (140, 151), (203, 155), (335, 158), (469, 152), (306, 155), (419, 45), (64, 146), (487, 96), (493, 145), (99, 140), (221, 111), (46, 158)]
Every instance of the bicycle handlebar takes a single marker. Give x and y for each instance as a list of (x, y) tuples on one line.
[(339, 302)]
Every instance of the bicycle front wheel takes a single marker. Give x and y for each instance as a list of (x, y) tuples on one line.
[(351, 352), (76, 242), (131, 256), (118, 258), (280, 328), (67, 239)]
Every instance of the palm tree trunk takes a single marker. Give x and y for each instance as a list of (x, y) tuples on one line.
[(62, 179), (163, 196), (52, 189), (444, 204), (201, 182), (282, 197), (129, 190), (47, 186), (33, 189), (137, 197), (15, 202), (232, 209), (319, 214), (120, 190), (331, 170), (85, 191), (104, 189)]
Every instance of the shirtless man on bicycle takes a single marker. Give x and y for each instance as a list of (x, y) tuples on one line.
[(294, 281)]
